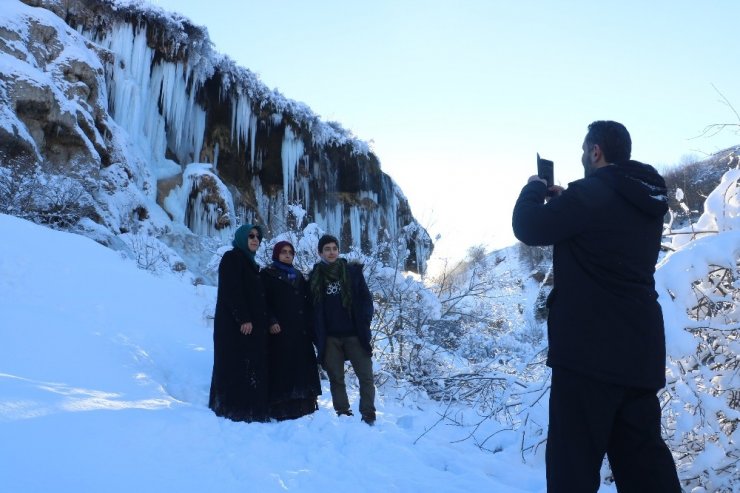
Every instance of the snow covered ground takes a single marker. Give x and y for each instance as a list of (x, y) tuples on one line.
[(105, 371), (104, 378)]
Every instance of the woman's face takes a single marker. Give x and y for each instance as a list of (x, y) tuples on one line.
[(253, 240), (286, 255)]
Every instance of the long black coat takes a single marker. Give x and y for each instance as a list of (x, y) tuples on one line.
[(239, 386), (294, 373), (362, 310), (604, 319)]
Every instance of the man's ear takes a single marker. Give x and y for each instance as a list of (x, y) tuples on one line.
[(596, 154)]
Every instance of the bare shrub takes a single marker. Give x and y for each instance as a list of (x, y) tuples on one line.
[(148, 252), (28, 192)]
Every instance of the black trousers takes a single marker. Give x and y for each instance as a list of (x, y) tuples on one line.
[(589, 419)]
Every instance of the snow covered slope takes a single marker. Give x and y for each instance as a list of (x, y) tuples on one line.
[(104, 377)]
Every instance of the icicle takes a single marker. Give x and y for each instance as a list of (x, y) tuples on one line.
[(372, 227), (187, 206), (331, 218), (139, 89), (131, 90), (368, 195), (243, 124), (241, 119), (187, 120), (252, 136), (291, 153), (355, 226), (263, 200)]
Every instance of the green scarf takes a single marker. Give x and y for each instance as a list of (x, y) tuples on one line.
[(324, 273), (242, 235)]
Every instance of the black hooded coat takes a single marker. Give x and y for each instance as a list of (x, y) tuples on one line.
[(239, 385), (294, 372), (604, 319)]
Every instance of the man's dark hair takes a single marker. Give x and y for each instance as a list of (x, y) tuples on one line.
[(326, 239), (612, 138)]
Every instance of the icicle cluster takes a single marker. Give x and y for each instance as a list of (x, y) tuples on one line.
[(163, 81), (139, 87)]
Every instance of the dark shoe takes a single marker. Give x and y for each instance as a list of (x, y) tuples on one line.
[(348, 412), (368, 418)]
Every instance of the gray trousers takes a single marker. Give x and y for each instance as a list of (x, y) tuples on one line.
[(339, 349)]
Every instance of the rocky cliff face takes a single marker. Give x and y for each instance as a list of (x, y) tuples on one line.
[(157, 133)]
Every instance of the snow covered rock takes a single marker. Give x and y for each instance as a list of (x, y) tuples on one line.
[(122, 97)]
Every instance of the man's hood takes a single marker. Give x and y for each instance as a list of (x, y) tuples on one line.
[(639, 184)]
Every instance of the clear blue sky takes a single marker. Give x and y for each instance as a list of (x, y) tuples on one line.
[(458, 97)]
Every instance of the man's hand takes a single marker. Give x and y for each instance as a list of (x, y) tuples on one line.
[(246, 328), (275, 329), (554, 190)]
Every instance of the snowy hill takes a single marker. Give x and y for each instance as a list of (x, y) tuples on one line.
[(104, 377)]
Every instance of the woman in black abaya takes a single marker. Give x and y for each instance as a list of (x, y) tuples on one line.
[(294, 373), (239, 386)]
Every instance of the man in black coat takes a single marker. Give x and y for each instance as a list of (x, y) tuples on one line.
[(342, 312), (605, 326)]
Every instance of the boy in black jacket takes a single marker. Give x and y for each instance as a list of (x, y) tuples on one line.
[(343, 309), (605, 326)]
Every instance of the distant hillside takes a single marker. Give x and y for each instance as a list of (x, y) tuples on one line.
[(532, 266), (698, 179)]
